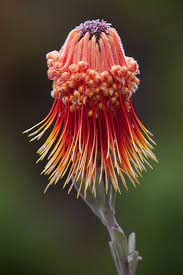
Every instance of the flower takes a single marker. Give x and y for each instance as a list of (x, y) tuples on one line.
[(95, 131)]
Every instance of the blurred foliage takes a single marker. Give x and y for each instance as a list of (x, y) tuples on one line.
[(56, 233)]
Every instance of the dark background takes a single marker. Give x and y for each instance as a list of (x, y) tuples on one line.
[(56, 233)]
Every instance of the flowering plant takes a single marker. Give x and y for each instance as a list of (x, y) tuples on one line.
[(96, 138)]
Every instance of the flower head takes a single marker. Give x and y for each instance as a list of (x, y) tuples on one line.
[(95, 132)]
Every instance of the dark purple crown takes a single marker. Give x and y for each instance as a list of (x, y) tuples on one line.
[(94, 27)]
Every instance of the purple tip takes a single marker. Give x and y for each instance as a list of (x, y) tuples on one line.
[(94, 27)]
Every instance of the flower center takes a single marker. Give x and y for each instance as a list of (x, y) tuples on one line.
[(91, 69)]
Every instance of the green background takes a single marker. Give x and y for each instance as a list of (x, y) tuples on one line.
[(56, 233)]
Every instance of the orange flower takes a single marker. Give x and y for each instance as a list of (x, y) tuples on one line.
[(95, 129)]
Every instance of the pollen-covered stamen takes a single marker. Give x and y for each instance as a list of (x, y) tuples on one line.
[(81, 84)]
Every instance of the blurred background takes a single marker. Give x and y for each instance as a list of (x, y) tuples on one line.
[(56, 233)]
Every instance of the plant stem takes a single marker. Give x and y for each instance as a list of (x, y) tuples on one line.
[(118, 243), (123, 251)]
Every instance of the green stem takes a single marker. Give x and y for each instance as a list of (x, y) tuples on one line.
[(118, 243), (123, 251)]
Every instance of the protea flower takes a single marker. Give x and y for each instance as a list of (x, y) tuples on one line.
[(95, 131)]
